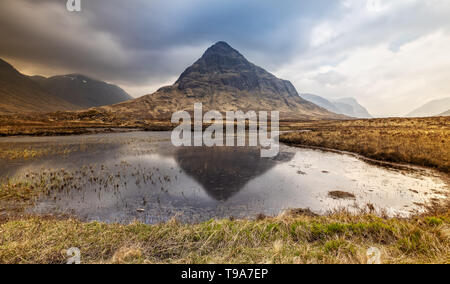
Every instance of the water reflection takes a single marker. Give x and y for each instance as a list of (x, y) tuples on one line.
[(141, 176), (224, 171)]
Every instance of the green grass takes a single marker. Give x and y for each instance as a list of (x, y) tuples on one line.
[(339, 238)]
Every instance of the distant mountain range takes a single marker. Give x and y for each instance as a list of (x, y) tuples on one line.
[(447, 113), (23, 94), (224, 80), (433, 108), (19, 94), (82, 91), (345, 106)]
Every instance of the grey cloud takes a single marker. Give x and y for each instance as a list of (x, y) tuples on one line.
[(141, 42), (400, 26)]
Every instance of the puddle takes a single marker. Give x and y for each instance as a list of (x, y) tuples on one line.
[(124, 177)]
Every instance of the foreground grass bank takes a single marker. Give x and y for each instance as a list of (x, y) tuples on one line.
[(286, 239), (419, 141)]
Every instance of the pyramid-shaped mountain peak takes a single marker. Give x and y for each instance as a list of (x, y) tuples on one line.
[(224, 80), (222, 66), (222, 48), (220, 58)]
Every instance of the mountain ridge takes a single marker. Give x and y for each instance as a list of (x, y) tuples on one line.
[(82, 91), (20, 94), (432, 108), (346, 106), (446, 113)]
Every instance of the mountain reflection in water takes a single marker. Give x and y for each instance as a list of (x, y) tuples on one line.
[(224, 171), (141, 176)]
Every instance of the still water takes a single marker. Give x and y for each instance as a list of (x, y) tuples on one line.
[(140, 176)]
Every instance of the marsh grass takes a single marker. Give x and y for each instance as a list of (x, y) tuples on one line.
[(298, 236), (339, 238), (420, 141), (341, 195), (10, 151), (74, 123), (32, 153)]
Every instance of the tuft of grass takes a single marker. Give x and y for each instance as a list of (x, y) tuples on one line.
[(341, 195), (339, 246), (434, 221)]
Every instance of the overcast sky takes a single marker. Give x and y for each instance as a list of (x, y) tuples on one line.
[(392, 56)]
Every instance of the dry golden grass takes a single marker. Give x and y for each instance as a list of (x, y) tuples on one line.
[(339, 238), (74, 123), (7, 152), (419, 141)]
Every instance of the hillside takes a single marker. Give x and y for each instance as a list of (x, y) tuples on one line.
[(433, 108), (20, 94), (447, 113), (82, 91)]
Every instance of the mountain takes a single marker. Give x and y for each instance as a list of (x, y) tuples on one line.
[(224, 80), (82, 91), (322, 102), (351, 107), (432, 108), (346, 106), (19, 94), (447, 113), (23, 94)]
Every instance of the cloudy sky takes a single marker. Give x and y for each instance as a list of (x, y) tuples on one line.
[(392, 56)]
